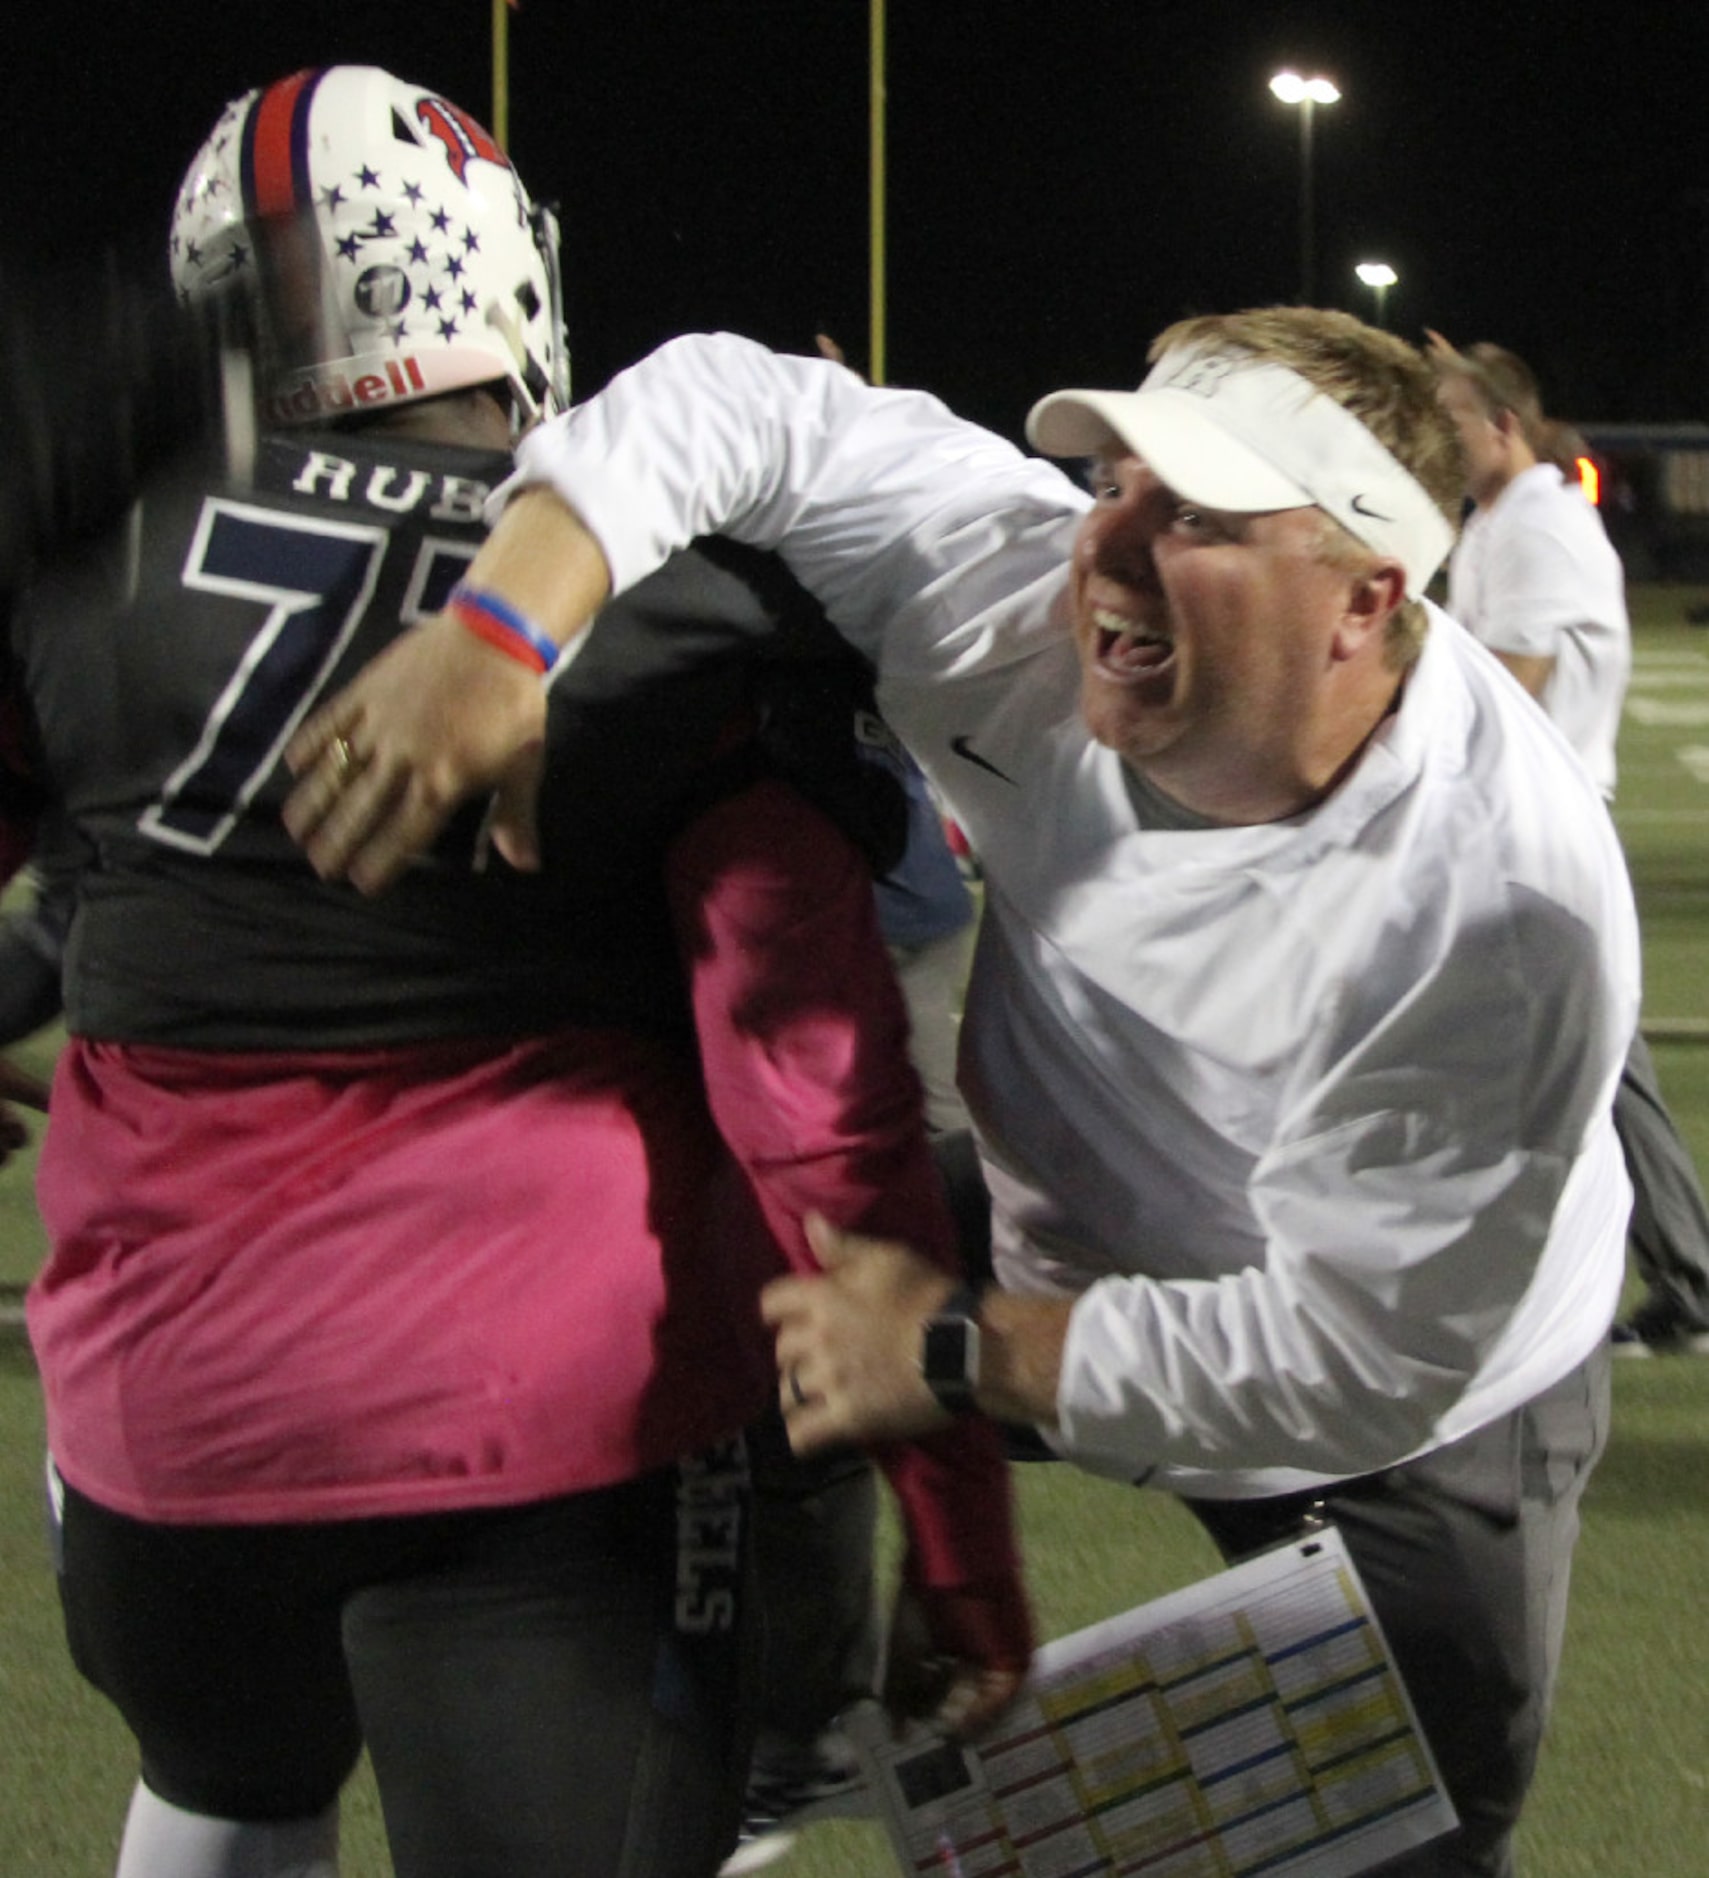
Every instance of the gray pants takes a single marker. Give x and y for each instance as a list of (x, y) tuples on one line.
[(816, 1576), (1669, 1234), (1466, 1555)]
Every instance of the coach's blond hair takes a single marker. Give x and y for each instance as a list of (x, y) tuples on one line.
[(1383, 382)]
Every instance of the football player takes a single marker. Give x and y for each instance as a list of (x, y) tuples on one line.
[(399, 1322)]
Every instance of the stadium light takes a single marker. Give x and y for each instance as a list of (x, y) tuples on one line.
[(1305, 94), (1379, 277), (1292, 89)]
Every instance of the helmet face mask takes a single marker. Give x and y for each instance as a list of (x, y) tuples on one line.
[(395, 253)]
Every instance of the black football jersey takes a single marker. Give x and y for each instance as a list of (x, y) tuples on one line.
[(168, 667)]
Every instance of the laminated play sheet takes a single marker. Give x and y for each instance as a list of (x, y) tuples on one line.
[(1251, 1723)]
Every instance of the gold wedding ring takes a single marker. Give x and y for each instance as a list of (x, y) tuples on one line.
[(344, 764)]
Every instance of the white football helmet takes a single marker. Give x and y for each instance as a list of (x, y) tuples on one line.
[(396, 251)]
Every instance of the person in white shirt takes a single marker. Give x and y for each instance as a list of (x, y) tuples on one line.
[(1533, 575), (1308, 965), (1535, 578)]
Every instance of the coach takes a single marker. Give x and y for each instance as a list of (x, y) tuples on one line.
[(1308, 967)]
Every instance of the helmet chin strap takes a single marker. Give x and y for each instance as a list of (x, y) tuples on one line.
[(509, 329)]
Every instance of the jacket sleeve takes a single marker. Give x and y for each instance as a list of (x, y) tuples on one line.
[(803, 1039), (871, 495)]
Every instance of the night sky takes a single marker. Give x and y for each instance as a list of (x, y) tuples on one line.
[(1066, 176)]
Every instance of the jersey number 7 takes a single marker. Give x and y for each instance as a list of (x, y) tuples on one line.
[(316, 577)]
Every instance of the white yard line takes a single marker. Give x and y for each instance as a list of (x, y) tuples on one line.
[(1643, 656), (1668, 713), (1687, 815), (1675, 1029)]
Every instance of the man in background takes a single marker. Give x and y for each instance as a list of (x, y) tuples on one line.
[(1535, 578)]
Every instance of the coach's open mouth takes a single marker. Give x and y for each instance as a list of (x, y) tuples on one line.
[(1128, 651)]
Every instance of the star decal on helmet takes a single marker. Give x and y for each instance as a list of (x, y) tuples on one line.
[(405, 276)]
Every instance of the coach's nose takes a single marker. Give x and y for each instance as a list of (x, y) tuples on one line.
[(1117, 535)]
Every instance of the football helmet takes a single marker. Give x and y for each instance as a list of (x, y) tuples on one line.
[(393, 252)]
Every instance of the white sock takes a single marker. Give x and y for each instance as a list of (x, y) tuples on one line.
[(163, 1841)]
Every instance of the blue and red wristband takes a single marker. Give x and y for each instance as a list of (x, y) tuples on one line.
[(501, 625)]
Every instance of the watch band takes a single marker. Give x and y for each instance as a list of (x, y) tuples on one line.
[(949, 1350)]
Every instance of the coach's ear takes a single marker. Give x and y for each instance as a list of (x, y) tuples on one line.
[(1373, 595)]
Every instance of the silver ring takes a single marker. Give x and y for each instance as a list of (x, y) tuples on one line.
[(795, 1388)]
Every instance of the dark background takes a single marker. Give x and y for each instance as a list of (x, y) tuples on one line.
[(1066, 176)]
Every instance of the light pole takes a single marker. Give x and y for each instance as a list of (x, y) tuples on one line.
[(1307, 94), (1379, 277), (877, 145), (501, 72)]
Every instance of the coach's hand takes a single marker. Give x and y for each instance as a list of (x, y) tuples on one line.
[(848, 1343), (442, 714), (438, 717)]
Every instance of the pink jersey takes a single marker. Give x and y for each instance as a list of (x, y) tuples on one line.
[(267, 1302)]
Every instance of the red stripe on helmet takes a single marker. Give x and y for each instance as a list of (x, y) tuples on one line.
[(275, 148)]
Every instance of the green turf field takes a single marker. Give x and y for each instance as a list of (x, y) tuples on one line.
[(1624, 1788)]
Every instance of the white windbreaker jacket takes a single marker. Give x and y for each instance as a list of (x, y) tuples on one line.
[(1313, 1116)]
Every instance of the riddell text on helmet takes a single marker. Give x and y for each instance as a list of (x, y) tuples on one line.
[(316, 392)]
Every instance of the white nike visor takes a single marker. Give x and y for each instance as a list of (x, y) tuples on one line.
[(1247, 435)]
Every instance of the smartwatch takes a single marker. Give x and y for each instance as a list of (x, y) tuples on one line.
[(949, 1351)]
